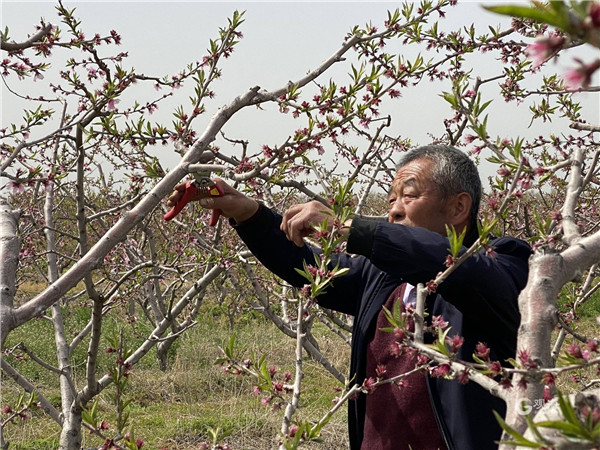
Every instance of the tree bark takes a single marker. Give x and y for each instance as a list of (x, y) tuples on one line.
[(9, 260), (548, 273)]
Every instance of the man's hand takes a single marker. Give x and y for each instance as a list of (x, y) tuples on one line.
[(232, 203), (299, 221)]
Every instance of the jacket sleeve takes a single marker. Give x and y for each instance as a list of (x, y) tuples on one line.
[(262, 235), (418, 255)]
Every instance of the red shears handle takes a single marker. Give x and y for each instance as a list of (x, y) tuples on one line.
[(191, 191)]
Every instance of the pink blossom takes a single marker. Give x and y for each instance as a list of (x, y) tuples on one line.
[(438, 322), (581, 76), (455, 342), (527, 362), (16, 187), (272, 370), (495, 368), (482, 351), (503, 171), (443, 370), (431, 286), (543, 48), (592, 345), (380, 370), (575, 351), (399, 333), (549, 379), (111, 105), (395, 349), (470, 138), (305, 291), (421, 360), (525, 183), (369, 384), (493, 202)]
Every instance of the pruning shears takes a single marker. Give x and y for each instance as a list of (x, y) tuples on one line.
[(201, 187)]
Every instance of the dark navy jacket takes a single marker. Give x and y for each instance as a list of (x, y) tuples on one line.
[(479, 300)]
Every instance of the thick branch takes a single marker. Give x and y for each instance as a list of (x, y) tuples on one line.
[(33, 40), (129, 220)]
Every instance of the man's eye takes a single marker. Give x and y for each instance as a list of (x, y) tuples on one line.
[(391, 201)]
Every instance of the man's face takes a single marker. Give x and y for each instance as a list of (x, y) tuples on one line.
[(414, 200)]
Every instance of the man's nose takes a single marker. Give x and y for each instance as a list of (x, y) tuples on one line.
[(396, 212)]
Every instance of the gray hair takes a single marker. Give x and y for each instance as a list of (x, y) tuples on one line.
[(453, 172)]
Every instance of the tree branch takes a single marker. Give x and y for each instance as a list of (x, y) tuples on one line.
[(33, 40)]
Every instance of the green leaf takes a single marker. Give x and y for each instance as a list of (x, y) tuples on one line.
[(556, 15), (567, 410), (567, 428), (519, 439), (455, 240)]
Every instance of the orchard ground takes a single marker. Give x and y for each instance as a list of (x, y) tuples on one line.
[(179, 408)]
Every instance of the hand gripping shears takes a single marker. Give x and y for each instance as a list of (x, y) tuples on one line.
[(201, 187)]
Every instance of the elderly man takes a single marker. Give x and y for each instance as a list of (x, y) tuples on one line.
[(435, 186)]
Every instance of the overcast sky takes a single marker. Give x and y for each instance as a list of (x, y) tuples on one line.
[(282, 41)]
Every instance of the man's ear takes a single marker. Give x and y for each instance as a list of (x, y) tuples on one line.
[(461, 209)]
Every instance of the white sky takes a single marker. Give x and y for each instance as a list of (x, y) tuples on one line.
[(282, 41)]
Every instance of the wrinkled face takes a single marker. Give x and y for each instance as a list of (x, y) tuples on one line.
[(414, 200)]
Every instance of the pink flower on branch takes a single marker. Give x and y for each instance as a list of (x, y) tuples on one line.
[(482, 351), (111, 105), (544, 48), (581, 76), (455, 342), (443, 370), (17, 188)]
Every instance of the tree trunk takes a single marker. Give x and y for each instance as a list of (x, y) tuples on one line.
[(70, 436), (162, 352), (537, 304), (9, 260)]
